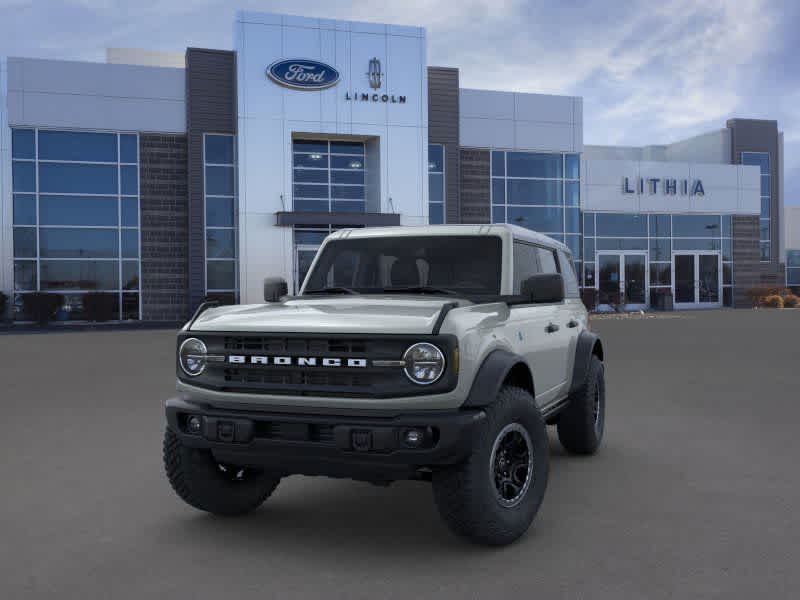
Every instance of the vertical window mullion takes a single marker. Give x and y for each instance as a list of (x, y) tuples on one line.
[(36, 188), (119, 231)]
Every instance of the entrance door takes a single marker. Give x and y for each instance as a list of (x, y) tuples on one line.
[(622, 280), (697, 279)]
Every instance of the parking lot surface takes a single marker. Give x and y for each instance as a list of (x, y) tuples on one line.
[(695, 493)]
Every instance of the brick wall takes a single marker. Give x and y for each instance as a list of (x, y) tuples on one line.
[(748, 271), (475, 198), (165, 230)]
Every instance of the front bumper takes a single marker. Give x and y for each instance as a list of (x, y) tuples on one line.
[(352, 445)]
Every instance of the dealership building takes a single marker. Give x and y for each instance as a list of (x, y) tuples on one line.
[(164, 179)]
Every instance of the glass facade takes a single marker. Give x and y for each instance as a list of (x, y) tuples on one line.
[(540, 191), (761, 160), (435, 184), (659, 235), (76, 220), (328, 176), (221, 223), (793, 268)]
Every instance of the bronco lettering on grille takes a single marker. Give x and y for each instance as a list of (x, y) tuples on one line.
[(300, 361)]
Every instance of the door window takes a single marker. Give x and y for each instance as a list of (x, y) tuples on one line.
[(526, 263)]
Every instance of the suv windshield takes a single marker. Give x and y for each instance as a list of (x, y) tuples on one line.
[(462, 265)]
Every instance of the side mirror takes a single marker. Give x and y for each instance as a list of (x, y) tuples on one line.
[(543, 288), (275, 288)]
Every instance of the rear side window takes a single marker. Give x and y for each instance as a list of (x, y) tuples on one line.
[(570, 278), (547, 260), (526, 263)]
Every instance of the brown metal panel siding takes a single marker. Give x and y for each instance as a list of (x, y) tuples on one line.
[(754, 135), (746, 253), (210, 108), (443, 114), (164, 227), (475, 199)]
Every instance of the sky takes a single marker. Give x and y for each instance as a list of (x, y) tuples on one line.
[(649, 72)]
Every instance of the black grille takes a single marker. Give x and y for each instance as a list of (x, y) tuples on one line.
[(306, 380)]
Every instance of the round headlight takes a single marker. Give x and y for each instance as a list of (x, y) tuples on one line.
[(424, 363), (192, 356)]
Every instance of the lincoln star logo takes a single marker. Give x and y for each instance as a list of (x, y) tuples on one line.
[(298, 361), (374, 74), (303, 74)]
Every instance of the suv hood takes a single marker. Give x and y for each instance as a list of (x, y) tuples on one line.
[(390, 314)]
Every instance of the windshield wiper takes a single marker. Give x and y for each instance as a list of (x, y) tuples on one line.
[(420, 289), (331, 290)]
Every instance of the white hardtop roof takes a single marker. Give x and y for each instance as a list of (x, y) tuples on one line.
[(502, 230)]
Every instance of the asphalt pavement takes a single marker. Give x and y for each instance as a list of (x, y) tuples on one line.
[(694, 494)]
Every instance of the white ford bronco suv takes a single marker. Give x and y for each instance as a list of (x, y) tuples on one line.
[(435, 353)]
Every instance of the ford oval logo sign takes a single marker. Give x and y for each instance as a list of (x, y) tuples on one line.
[(303, 74)]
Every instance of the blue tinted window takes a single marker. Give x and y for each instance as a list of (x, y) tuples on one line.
[(436, 187), (23, 143), (764, 229), (312, 175), (695, 244), (727, 249), (347, 148), (588, 249), (319, 161), (219, 212), (726, 225), (219, 181), (80, 275), (130, 243), (313, 238), (660, 249), (572, 189), (529, 164), (621, 244), (793, 258), (498, 191), (78, 243), (357, 177), (498, 214), (436, 213), (759, 159), (574, 243), (24, 275), (588, 224), (310, 146), (696, 225), (130, 275), (220, 274), (339, 162), (526, 191), (25, 242), (660, 226), (543, 219), (24, 209), (348, 206), (129, 183), (765, 185), (573, 220), (435, 158), (23, 176), (573, 166), (766, 251), (77, 179), (765, 207), (220, 243), (793, 277), (624, 225), (130, 306), (311, 191), (128, 149), (498, 163), (219, 149), (130, 212), (347, 192), (311, 205), (77, 210), (73, 145)]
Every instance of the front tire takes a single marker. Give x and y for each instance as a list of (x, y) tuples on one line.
[(582, 422), (493, 496), (207, 485)]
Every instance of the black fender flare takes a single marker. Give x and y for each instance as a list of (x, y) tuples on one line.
[(588, 345), (490, 377)]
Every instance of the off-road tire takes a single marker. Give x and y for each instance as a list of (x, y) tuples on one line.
[(580, 428), (466, 494), (200, 482)]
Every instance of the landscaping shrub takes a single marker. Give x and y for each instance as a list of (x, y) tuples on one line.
[(790, 301), (41, 306), (98, 306), (773, 301)]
